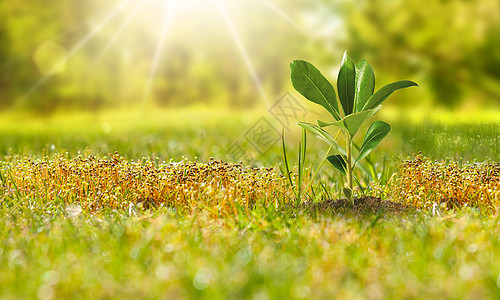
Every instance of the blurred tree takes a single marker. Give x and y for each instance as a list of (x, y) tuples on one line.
[(4, 64), (452, 48), (452, 45), (201, 61)]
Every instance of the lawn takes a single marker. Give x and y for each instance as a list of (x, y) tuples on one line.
[(118, 205)]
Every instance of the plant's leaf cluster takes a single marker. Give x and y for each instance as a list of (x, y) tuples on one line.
[(359, 102)]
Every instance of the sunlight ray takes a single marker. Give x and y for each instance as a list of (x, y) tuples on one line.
[(242, 50), (284, 15), (119, 31), (167, 22), (76, 48)]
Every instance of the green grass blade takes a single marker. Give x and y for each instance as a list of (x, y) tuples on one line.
[(317, 170), (285, 158), (302, 159)]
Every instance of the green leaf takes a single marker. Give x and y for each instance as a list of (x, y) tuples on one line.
[(322, 134), (346, 83), (382, 94), (347, 193), (309, 81), (365, 83), (324, 124), (339, 162), (375, 134), (353, 122)]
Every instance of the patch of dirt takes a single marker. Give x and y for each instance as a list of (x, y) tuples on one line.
[(362, 205)]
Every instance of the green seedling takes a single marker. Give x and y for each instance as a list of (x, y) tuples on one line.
[(358, 102)]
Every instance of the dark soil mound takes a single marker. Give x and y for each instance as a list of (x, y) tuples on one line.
[(362, 205)]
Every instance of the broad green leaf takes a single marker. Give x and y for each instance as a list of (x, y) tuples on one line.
[(365, 83), (375, 134), (352, 122), (369, 169), (339, 162), (309, 81), (346, 83), (322, 134), (382, 94)]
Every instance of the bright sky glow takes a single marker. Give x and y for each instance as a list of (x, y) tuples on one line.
[(167, 22), (242, 50), (162, 23)]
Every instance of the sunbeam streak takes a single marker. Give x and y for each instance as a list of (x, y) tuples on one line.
[(75, 49), (169, 14), (118, 32), (242, 50), (285, 16)]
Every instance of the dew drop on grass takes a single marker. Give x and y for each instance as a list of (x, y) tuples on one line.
[(202, 279), (106, 127), (472, 248), (438, 253), (134, 253), (301, 291), (466, 272), (73, 210), (260, 295), (163, 272), (51, 277), (172, 144), (169, 248), (410, 256), (45, 292)]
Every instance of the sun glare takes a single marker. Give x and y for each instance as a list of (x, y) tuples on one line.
[(160, 25), (185, 11)]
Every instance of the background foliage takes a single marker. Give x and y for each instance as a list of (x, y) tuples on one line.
[(451, 48)]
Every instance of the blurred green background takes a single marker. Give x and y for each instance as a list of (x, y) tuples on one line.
[(94, 54)]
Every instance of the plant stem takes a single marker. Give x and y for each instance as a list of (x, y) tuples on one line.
[(349, 166)]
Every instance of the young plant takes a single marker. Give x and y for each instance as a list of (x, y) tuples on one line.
[(358, 102)]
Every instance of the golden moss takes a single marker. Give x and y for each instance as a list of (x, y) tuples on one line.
[(422, 182), (116, 183)]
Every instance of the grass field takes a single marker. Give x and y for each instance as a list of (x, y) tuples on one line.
[(81, 221)]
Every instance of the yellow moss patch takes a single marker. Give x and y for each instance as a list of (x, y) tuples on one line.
[(117, 183), (422, 183)]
